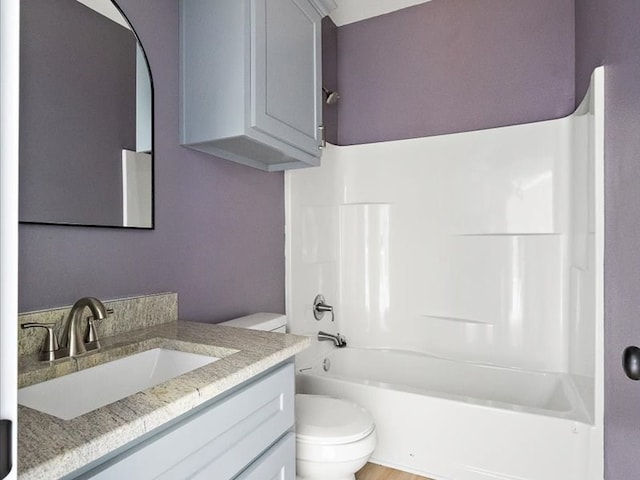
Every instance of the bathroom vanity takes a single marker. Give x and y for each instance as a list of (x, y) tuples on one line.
[(220, 440), (231, 418)]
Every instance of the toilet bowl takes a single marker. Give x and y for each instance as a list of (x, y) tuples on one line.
[(334, 437)]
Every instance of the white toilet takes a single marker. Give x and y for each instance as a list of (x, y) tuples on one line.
[(334, 437)]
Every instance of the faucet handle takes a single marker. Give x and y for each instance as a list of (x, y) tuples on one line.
[(50, 349), (91, 341), (320, 307)]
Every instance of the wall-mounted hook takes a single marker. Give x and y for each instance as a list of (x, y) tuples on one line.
[(320, 308)]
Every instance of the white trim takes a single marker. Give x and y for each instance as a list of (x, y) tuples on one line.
[(598, 106), (324, 7), (9, 139)]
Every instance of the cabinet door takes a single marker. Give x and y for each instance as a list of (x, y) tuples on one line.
[(286, 91)]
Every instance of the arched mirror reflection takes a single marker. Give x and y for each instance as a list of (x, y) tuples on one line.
[(86, 116)]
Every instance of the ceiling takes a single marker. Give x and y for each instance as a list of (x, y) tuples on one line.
[(350, 11)]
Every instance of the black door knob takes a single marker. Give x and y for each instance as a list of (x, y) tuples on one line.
[(5, 448), (631, 362)]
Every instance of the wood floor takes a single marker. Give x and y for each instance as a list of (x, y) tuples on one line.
[(371, 471)]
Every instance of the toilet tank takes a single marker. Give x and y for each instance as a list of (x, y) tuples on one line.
[(268, 322)]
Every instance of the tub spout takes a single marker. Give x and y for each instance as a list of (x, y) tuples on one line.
[(337, 339)]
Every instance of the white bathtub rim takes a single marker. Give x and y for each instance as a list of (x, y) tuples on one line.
[(572, 415), (314, 356), (578, 412)]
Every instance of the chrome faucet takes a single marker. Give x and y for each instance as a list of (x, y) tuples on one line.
[(337, 339), (72, 339)]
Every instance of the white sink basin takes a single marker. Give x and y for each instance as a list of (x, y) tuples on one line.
[(80, 392)]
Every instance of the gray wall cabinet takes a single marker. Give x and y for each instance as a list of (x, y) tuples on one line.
[(251, 81), (246, 435)]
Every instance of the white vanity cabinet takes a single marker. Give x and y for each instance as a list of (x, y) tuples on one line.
[(246, 435), (251, 80)]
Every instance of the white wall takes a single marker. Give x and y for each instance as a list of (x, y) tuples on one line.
[(471, 246)]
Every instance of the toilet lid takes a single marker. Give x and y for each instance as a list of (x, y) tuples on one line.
[(327, 420)]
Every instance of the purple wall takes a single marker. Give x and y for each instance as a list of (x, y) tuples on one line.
[(330, 77), (453, 65), (219, 237), (608, 33)]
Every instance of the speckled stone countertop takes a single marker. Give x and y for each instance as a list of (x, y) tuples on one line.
[(49, 447)]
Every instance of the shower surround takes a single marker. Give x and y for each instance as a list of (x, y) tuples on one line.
[(482, 247)]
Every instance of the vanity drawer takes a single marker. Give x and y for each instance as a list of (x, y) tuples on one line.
[(223, 438), (277, 463)]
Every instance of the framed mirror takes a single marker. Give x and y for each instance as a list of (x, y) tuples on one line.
[(86, 117)]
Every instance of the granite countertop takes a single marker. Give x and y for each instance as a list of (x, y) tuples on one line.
[(51, 448)]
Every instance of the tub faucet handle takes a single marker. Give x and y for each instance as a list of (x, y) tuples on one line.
[(320, 307)]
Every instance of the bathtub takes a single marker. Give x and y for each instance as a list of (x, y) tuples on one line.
[(451, 420)]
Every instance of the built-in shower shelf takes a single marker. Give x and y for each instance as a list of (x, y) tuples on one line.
[(516, 234), (458, 320), (358, 204), (323, 262)]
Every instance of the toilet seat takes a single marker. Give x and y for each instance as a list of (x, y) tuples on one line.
[(324, 420)]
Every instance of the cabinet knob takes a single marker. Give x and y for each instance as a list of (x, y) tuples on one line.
[(323, 137)]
